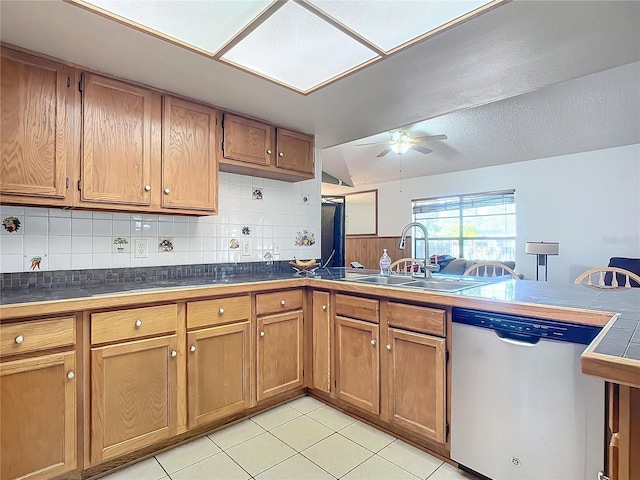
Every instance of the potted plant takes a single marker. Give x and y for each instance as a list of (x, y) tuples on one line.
[(120, 242)]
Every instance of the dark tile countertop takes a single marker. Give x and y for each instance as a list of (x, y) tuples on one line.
[(622, 339)]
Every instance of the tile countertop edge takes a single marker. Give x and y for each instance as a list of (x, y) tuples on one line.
[(625, 371)]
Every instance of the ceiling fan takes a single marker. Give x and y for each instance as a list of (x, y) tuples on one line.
[(401, 142)]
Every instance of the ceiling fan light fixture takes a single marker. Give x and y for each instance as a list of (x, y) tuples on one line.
[(400, 142)]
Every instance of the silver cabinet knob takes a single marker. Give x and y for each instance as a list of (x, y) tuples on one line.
[(282, 302), (269, 152), (19, 339), (221, 311), (138, 323), (281, 154), (324, 307), (70, 375), (174, 353), (262, 333), (147, 188), (373, 342), (388, 346), (193, 348), (167, 191)]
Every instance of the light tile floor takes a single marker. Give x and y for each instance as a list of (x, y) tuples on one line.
[(301, 440)]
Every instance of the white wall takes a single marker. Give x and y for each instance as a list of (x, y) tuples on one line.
[(66, 239), (589, 202)]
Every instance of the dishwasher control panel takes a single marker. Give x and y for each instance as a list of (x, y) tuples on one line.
[(527, 326)]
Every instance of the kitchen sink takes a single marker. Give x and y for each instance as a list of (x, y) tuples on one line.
[(382, 280), (434, 284)]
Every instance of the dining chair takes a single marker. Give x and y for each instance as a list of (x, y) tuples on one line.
[(610, 278), (490, 269), (406, 265)]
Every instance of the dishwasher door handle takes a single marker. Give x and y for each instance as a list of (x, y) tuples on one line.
[(519, 339)]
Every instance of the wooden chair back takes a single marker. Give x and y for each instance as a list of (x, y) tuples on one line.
[(490, 269), (406, 265), (598, 278)]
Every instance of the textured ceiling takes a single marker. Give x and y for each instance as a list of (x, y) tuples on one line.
[(518, 48)]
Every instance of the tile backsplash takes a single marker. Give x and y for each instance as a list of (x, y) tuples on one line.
[(256, 216)]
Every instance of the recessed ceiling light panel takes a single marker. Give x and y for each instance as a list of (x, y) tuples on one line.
[(390, 24), (297, 48), (204, 24)]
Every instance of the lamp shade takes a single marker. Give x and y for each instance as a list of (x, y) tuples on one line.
[(542, 248)]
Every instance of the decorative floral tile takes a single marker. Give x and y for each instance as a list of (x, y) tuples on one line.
[(165, 245), (121, 245), (234, 244), (257, 194), (246, 231), (305, 238), (11, 224), (35, 263)]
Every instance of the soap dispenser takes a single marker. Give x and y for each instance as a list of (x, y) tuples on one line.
[(385, 263)]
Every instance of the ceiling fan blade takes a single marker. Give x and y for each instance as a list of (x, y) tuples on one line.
[(430, 137), (374, 143), (421, 149), (383, 153)]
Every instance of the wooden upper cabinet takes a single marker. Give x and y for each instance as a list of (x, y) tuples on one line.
[(295, 151), (35, 136), (116, 142), (247, 140), (189, 161), (256, 148)]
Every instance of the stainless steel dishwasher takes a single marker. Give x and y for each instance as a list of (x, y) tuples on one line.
[(520, 407)]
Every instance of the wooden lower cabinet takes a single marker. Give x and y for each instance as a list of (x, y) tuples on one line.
[(624, 432), (217, 372), (416, 388), (38, 417), (133, 395), (279, 354), (358, 363), (321, 343)]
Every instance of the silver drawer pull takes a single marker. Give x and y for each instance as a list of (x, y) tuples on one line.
[(70, 375), (388, 346), (193, 348), (324, 307), (269, 152), (174, 353), (281, 154), (373, 342), (138, 323), (262, 333), (282, 302), (147, 188), (19, 339), (221, 311)]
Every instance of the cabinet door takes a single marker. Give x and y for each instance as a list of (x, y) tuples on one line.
[(416, 383), (358, 363), (35, 138), (116, 142), (133, 395), (321, 342), (295, 151), (279, 354), (247, 140), (189, 161), (38, 417), (218, 372)]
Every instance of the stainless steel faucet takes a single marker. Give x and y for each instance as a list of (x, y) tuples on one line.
[(428, 267)]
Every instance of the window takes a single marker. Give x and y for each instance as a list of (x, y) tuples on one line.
[(479, 226)]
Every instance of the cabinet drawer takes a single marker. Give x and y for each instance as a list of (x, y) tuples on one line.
[(420, 319), (26, 337), (278, 302), (133, 323), (356, 307), (218, 311)]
